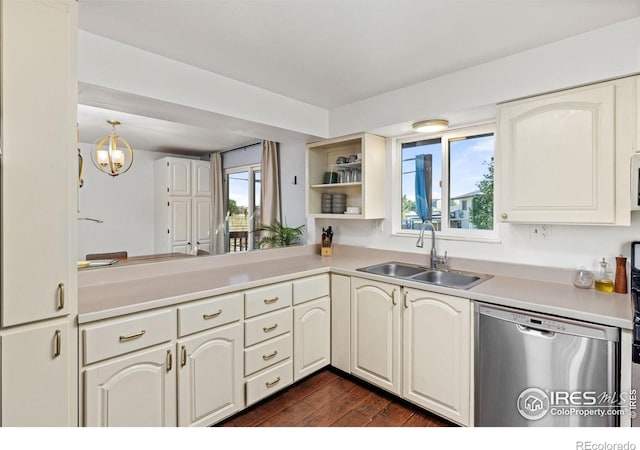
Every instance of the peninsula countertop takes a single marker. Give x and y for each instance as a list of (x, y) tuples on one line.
[(114, 291)]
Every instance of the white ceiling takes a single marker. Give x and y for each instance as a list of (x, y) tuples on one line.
[(334, 52)]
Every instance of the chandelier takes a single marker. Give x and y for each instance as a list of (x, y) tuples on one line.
[(112, 154)]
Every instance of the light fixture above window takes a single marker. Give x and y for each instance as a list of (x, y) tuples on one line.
[(109, 157), (430, 126)]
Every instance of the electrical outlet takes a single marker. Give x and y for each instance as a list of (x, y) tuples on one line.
[(539, 231)]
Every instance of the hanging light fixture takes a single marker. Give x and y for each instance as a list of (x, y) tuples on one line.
[(430, 126), (109, 157)]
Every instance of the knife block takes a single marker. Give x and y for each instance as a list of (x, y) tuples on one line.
[(326, 251)]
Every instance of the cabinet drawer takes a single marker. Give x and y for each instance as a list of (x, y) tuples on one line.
[(264, 299), (267, 353), (310, 288), (269, 381), (209, 313), (123, 335), (267, 326)]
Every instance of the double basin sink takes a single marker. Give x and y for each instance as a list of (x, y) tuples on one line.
[(440, 277)]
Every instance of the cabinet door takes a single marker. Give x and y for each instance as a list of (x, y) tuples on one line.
[(210, 378), (133, 391), (311, 337), (636, 145), (180, 231), (201, 174), (375, 333), (201, 222), (340, 322), (558, 157), (39, 173), (37, 376), (179, 176), (437, 353)]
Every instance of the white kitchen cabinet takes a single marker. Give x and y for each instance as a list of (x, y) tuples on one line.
[(38, 291), (375, 333), (182, 213), (136, 390), (341, 322), (210, 378), (39, 173), (367, 192), (38, 387), (564, 157), (312, 337), (201, 178), (636, 145), (437, 353)]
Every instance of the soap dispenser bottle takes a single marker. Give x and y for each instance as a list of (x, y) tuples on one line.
[(604, 280)]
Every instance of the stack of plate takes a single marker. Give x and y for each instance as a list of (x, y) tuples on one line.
[(338, 203), (326, 203)]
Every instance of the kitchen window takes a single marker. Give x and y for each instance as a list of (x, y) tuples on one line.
[(447, 179)]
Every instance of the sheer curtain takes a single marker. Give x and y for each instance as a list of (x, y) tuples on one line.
[(218, 207), (270, 191)]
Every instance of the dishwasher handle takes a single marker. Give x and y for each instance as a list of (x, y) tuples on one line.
[(536, 332)]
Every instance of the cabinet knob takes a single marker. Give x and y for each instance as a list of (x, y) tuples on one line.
[(504, 216)]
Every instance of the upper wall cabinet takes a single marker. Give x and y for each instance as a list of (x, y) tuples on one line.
[(564, 157), (360, 180)]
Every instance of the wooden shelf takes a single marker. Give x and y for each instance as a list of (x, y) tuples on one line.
[(335, 185), (336, 216)]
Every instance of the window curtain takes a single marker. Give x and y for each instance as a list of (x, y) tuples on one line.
[(270, 189), (423, 187), (218, 207)]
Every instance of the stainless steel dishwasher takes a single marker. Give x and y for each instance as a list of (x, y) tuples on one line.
[(538, 370)]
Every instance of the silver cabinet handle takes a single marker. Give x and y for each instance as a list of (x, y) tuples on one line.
[(132, 336), (57, 351), (271, 328), (271, 356), (183, 360), (212, 315), (406, 305), (169, 360), (393, 297), (272, 383), (268, 301), (60, 296)]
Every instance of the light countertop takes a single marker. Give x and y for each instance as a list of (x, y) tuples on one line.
[(114, 291)]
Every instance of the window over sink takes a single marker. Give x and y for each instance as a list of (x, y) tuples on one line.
[(454, 171)]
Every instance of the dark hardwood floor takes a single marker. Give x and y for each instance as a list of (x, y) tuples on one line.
[(332, 399)]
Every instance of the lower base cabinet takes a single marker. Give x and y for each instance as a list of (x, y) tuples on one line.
[(210, 376), (35, 371), (415, 344), (138, 390), (437, 353), (311, 337)]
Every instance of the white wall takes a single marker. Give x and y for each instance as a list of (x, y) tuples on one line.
[(124, 203), (292, 161)]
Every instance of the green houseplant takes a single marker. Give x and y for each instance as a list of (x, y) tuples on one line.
[(279, 235)]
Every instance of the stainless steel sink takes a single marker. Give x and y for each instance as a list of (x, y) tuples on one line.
[(441, 277), (394, 269)]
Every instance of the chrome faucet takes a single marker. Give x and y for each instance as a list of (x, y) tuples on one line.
[(434, 259)]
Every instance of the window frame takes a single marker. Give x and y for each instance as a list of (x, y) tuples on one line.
[(396, 194), (251, 170)]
